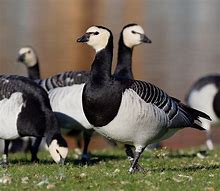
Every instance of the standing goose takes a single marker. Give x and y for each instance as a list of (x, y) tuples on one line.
[(25, 111), (131, 36), (129, 111), (205, 96)]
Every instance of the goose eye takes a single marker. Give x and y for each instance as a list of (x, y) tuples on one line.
[(133, 32), (29, 52), (96, 33), (58, 153)]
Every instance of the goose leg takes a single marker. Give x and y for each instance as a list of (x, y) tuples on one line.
[(4, 162), (135, 167), (129, 152), (209, 142), (87, 134), (130, 155), (34, 149)]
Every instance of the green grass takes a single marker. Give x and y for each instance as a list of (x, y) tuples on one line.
[(165, 170)]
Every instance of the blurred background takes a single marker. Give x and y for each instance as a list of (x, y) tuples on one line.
[(185, 43)]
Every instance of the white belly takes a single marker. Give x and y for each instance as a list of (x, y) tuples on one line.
[(203, 100), (137, 122), (9, 110), (68, 101)]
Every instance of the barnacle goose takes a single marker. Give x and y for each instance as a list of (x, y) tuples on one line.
[(129, 111), (131, 35), (204, 95), (25, 111), (28, 56)]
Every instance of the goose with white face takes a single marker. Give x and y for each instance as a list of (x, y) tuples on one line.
[(96, 36), (58, 152), (27, 56), (134, 35)]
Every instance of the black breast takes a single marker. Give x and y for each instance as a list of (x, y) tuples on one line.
[(101, 102), (32, 118)]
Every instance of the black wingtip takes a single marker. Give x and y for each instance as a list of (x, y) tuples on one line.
[(196, 112), (203, 115), (196, 126)]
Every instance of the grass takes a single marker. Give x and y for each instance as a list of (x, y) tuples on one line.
[(165, 170)]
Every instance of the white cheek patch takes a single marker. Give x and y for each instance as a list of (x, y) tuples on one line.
[(23, 50), (30, 58), (62, 151), (131, 39), (100, 41), (52, 149)]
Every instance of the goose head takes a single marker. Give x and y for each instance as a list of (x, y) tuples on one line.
[(133, 34), (58, 149), (96, 37), (27, 56)]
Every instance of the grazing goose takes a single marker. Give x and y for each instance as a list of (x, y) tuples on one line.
[(129, 111), (25, 111), (205, 96), (27, 56)]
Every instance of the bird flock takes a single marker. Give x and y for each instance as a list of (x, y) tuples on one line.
[(115, 105)]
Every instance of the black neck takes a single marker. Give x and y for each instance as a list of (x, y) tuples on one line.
[(52, 127), (34, 72), (101, 97), (101, 66), (124, 64)]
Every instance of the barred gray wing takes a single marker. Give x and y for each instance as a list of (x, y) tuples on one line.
[(64, 79), (180, 115), (152, 94)]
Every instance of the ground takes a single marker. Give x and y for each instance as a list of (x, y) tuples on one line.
[(165, 170)]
